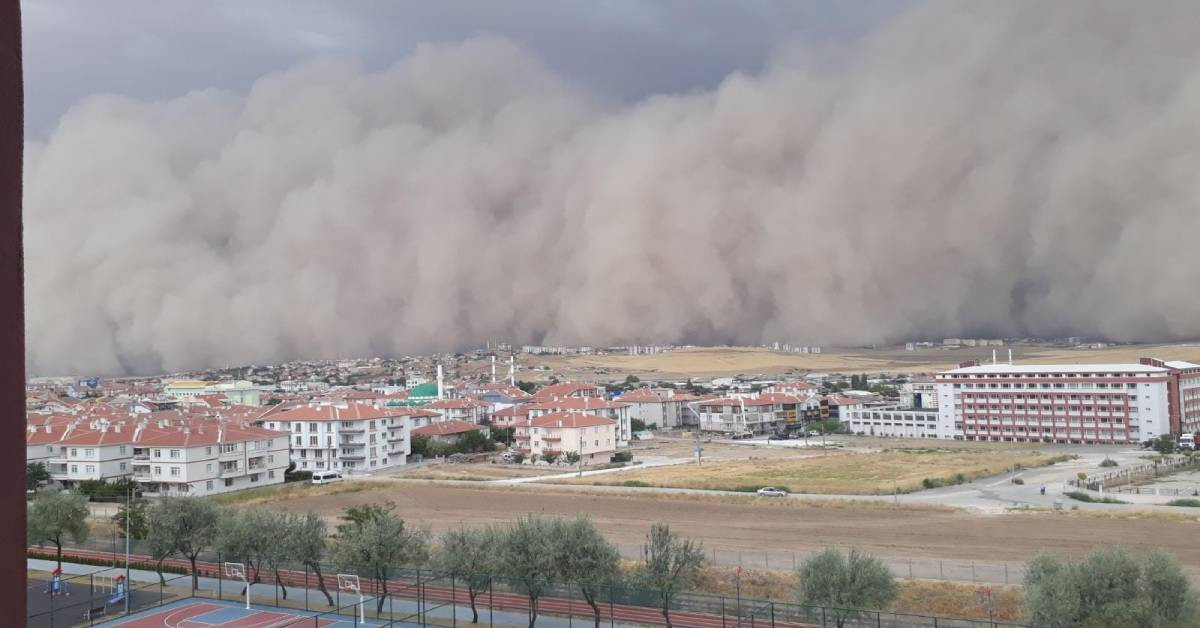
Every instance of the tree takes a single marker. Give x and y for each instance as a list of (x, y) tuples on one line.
[(190, 523), (528, 387), (56, 516), (248, 537), (420, 446), (1111, 587), (36, 475), (525, 554), (136, 512), (630, 380), (845, 582), (549, 456), (637, 425), (1165, 444), (588, 559), (304, 536), (466, 554), (671, 564), (572, 457), (159, 539), (518, 457), (373, 540)]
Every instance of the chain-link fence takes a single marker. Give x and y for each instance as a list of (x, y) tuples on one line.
[(980, 572), (419, 596)]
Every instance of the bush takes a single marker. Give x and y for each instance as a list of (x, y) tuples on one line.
[(1086, 497), (1018, 481), (956, 479), (637, 483), (622, 456), (1109, 462), (1188, 503)]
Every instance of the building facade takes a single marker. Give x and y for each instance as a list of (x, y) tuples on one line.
[(1076, 403)]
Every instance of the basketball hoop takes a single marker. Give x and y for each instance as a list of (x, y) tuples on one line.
[(237, 571), (349, 582)]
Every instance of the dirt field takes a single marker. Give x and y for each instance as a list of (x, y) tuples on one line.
[(718, 361), (472, 472), (900, 533), (831, 474)]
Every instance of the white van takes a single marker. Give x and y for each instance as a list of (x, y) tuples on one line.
[(326, 477)]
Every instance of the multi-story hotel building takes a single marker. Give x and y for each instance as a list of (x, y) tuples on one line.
[(1075, 403)]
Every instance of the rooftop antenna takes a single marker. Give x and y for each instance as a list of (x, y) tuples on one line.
[(993, 357), (493, 369), (1010, 356), (512, 368)]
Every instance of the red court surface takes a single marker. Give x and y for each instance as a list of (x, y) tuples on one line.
[(213, 613)]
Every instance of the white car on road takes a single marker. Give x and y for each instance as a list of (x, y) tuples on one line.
[(771, 491)]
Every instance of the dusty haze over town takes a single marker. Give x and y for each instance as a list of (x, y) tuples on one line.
[(985, 169)]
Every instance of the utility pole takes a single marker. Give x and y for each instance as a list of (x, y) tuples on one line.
[(128, 517)]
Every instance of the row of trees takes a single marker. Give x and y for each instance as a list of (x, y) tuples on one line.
[(1111, 587), (468, 443)]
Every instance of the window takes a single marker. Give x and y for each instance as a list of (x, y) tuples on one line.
[(175, 453), (74, 468), (174, 472), (122, 466), (121, 450), (208, 451), (296, 427), (158, 453), (228, 481), (270, 458), (74, 452), (208, 467), (312, 427), (299, 441), (208, 485), (89, 452), (157, 470), (271, 474), (253, 477), (312, 441)]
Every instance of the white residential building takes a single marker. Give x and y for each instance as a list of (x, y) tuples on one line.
[(351, 437), (206, 458), (593, 437), (1065, 403), (899, 422), (759, 413)]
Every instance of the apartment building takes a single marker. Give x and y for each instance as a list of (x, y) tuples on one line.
[(568, 389), (587, 404), (665, 410), (98, 450), (466, 410), (207, 457), (1183, 395), (1071, 403), (899, 421), (593, 437), (758, 413), (350, 437), (919, 392)]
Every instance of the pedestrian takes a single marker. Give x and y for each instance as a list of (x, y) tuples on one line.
[(1043, 489)]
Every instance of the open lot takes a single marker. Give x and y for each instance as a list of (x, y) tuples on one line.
[(718, 361), (903, 470), (762, 523), (479, 472)]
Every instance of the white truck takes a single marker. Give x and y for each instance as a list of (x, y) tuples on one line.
[(1187, 442)]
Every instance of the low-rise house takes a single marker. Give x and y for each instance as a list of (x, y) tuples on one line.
[(449, 432)]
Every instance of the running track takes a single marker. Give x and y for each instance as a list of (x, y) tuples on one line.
[(444, 595)]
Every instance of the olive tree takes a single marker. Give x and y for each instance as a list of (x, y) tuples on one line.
[(304, 539), (468, 555), (376, 543), (526, 556), (844, 582), (670, 564), (190, 523), (1112, 586), (56, 516), (586, 558)]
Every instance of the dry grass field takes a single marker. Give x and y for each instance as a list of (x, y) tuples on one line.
[(478, 472), (717, 361), (832, 474)]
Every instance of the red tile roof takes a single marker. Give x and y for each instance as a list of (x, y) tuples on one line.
[(445, 428), (569, 420)]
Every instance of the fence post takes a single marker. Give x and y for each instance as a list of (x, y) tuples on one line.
[(1005, 573), (306, 590), (910, 569), (453, 602), (492, 607), (822, 616), (772, 614), (941, 570), (972, 571), (722, 611)]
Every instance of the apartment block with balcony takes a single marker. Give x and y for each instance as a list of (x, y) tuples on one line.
[(593, 437), (1073, 403), (207, 459), (344, 436)]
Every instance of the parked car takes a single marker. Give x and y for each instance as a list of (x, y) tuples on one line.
[(743, 435), (813, 433), (771, 491)]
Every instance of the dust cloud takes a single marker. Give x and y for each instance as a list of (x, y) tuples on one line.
[(1015, 168)]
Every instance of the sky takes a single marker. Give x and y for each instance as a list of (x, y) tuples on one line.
[(212, 184), (622, 50)]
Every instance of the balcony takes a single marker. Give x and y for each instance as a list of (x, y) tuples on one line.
[(399, 436), (357, 429), (353, 456)]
